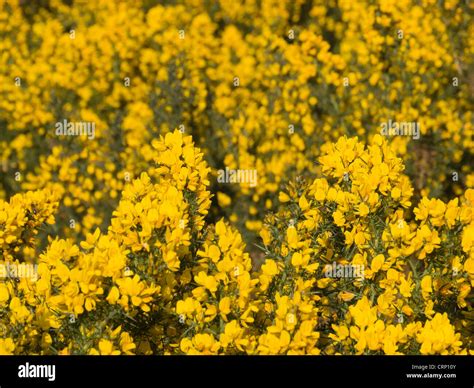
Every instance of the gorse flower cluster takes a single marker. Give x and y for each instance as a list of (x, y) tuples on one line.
[(355, 120), (163, 281), (418, 264)]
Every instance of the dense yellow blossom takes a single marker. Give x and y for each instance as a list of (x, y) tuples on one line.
[(234, 191)]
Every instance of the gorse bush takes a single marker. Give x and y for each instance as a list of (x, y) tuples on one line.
[(417, 263), (274, 177), (161, 280)]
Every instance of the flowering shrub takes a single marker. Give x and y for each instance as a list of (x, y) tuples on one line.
[(417, 270), (274, 177)]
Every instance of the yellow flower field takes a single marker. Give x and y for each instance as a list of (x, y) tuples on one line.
[(236, 177)]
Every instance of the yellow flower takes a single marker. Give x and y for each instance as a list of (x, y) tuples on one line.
[(107, 348), (232, 333), (224, 307), (339, 219), (297, 259), (468, 238), (341, 333), (223, 199), (214, 253), (377, 263), (396, 193), (363, 210), (426, 288), (346, 296), (265, 235), (200, 344), (208, 282), (4, 294), (113, 296), (270, 268), (292, 237), (438, 336), (126, 343), (283, 197), (7, 346), (303, 203)]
